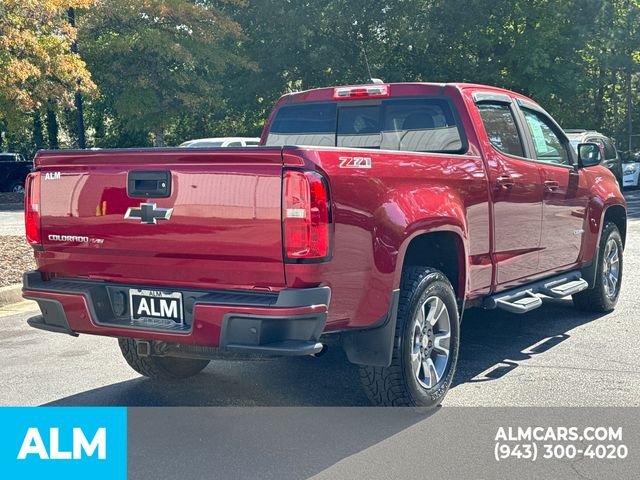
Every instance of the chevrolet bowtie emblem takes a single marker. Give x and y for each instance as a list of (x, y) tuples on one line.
[(148, 213)]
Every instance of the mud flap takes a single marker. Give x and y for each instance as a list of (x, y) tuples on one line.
[(374, 346)]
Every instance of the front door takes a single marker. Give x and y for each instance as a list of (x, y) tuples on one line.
[(566, 193), (516, 191)]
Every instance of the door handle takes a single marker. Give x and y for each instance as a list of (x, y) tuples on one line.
[(505, 182), (551, 185), (149, 184)]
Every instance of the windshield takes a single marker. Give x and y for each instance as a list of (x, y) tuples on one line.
[(419, 125)]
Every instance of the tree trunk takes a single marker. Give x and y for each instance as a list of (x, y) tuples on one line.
[(99, 128), (629, 93), (52, 129), (614, 107), (38, 137), (599, 100), (159, 140)]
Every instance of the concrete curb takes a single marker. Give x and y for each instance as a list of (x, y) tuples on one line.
[(11, 294)]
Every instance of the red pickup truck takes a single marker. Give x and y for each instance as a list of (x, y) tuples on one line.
[(374, 214)]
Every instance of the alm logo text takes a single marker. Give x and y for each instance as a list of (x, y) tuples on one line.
[(33, 445)]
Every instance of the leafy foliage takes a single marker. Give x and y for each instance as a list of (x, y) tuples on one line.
[(171, 70), (156, 60), (36, 62)]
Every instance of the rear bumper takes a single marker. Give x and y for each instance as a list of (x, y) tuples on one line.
[(288, 322)]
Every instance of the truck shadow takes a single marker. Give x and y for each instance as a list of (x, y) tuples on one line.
[(493, 344), (291, 443)]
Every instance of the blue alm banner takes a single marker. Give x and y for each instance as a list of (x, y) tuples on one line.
[(63, 442)]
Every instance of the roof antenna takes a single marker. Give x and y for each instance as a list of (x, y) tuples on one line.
[(375, 81)]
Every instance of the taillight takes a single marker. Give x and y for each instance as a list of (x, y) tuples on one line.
[(32, 209), (366, 91), (306, 216)]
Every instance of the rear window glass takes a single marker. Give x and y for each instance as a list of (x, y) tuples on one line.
[(420, 125), (306, 124)]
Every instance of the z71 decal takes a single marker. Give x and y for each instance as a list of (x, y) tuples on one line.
[(355, 162)]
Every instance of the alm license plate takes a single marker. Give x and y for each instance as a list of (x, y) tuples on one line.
[(156, 305)]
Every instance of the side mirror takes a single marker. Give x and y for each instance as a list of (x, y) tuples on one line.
[(589, 154)]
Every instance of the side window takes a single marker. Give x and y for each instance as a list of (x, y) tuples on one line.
[(501, 128), (235, 144), (547, 144)]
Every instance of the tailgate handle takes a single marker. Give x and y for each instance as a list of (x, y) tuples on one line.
[(149, 184)]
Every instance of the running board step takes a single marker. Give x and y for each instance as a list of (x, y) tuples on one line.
[(560, 290), (521, 303), (527, 297)]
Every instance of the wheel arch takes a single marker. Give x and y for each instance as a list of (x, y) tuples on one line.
[(618, 215), (444, 249)]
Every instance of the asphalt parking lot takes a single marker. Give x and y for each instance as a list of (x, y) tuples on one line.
[(554, 356)]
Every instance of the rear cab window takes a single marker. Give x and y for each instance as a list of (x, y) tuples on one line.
[(405, 124)]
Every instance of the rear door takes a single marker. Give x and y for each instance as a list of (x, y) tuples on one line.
[(566, 193), (514, 182), (216, 224)]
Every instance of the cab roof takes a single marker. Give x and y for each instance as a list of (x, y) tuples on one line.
[(398, 89)]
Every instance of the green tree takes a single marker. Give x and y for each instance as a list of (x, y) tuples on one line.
[(37, 67), (157, 60)]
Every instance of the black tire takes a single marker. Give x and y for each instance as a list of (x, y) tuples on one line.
[(160, 368), (598, 299), (16, 187), (397, 384)]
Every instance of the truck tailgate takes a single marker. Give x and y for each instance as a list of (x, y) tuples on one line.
[(224, 229)]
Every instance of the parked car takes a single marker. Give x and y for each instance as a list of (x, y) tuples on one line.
[(374, 214), (631, 170), (222, 142), (612, 159), (13, 171)]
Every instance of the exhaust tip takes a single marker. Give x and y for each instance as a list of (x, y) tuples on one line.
[(322, 351)]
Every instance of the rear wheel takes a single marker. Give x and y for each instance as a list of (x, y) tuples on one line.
[(160, 368), (426, 344), (606, 290)]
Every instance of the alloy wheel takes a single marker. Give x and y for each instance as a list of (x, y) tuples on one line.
[(611, 268), (431, 342)]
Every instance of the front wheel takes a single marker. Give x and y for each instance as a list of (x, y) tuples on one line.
[(606, 290), (159, 368), (426, 345)]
